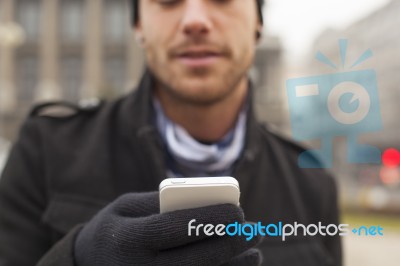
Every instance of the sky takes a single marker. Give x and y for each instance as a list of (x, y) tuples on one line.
[(299, 22)]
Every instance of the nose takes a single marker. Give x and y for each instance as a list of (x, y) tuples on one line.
[(196, 21)]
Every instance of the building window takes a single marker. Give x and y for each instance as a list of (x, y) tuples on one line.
[(116, 21), (28, 16), (27, 78), (71, 78), (71, 21)]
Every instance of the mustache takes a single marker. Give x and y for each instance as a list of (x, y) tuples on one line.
[(185, 46)]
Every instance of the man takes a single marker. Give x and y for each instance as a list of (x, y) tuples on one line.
[(77, 189)]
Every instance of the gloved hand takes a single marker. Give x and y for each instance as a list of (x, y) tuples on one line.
[(251, 257), (130, 231)]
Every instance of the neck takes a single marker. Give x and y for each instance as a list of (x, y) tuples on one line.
[(207, 123)]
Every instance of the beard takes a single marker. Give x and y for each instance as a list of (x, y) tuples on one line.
[(201, 86), (205, 94)]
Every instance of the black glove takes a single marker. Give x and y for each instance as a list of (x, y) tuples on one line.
[(130, 231), (251, 257)]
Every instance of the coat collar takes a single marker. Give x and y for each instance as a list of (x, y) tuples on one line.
[(137, 112)]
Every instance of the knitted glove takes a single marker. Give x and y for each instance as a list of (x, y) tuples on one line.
[(128, 232), (251, 257)]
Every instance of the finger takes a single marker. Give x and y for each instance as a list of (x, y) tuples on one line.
[(171, 229), (251, 257), (137, 204), (211, 251)]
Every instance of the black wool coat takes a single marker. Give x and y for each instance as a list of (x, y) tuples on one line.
[(70, 161)]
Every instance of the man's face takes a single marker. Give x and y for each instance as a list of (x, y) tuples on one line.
[(199, 49)]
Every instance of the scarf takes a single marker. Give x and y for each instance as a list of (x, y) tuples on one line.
[(190, 158)]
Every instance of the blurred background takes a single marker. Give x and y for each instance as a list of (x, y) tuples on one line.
[(75, 50)]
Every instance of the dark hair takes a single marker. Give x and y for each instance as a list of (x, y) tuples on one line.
[(135, 10)]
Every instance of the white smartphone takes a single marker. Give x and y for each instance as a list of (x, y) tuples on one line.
[(195, 192)]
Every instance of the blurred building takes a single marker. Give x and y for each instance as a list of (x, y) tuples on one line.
[(367, 184), (378, 33), (266, 74), (70, 49), (74, 49)]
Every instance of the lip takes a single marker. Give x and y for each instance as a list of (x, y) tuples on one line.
[(198, 57)]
